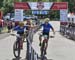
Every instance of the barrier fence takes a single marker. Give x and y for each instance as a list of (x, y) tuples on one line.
[(31, 53), (68, 31)]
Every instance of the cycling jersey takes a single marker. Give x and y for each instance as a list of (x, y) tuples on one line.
[(46, 27), (20, 30)]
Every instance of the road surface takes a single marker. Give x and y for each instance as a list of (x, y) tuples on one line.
[(59, 48)]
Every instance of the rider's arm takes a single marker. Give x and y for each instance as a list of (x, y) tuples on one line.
[(16, 28), (52, 29)]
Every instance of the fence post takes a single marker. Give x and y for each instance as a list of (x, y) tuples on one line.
[(27, 56), (35, 56)]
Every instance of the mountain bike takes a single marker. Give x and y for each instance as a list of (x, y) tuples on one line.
[(43, 45), (17, 46)]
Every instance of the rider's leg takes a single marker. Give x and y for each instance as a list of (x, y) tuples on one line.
[(21, 42), (0, 29), (40, 39), (46, 47), (23, 37), (46, 44)]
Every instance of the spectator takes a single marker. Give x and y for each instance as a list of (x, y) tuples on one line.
[(9, 26), (16, 23), (1, 25)]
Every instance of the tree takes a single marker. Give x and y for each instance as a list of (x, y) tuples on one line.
[(71, 4), (1, 3), (8, 6)]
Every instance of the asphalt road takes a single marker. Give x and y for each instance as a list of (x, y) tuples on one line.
[(59, 48), (4, 35)]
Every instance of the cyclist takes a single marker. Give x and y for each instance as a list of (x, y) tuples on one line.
[(20, 30), (46, 29)]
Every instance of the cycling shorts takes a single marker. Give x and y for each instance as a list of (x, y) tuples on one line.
[(46, 33), (20, 33)]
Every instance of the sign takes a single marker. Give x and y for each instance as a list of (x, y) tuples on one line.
[(40, 5), (63, 15), (59, 5), (21, 5), (35, 12), (18, 14), (43, 12)]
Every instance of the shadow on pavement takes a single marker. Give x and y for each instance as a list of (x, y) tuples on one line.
[(39, 58), (19, 58), (51, 36), (45, 58), (16, 58)]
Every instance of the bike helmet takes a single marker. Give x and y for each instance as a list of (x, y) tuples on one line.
[(21, 24), (46, 19)]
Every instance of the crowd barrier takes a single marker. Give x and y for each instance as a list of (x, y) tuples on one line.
[(31, 53), (68, 31)]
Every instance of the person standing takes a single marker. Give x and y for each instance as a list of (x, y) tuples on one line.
[(1, 25)]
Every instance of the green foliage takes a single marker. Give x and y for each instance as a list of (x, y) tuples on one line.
[(1, 3), (71, 5), (6, 6)]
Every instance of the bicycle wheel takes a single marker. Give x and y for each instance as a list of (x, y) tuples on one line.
[(42, 50), (16, 49)]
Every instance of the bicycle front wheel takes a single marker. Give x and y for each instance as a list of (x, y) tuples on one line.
[(16, 49)]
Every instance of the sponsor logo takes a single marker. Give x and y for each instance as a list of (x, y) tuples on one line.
[(40, 5)]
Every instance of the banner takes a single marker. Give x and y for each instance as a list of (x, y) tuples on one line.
[(41, 5), (21, 5), (59, 5), (43, 12), (18, 14), (63, 15)]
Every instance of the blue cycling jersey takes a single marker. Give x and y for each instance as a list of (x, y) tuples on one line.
[(46, 27), (20, 30)]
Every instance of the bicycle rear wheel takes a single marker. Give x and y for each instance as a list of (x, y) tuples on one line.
[(16, 49)]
